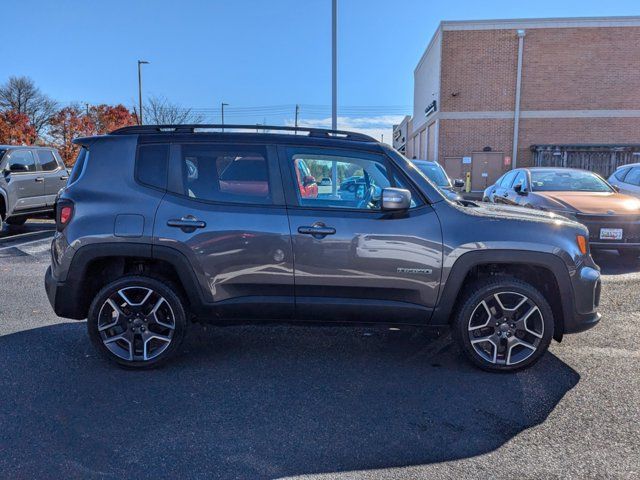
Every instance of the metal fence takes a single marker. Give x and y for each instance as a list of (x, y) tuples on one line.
[(602, 159)]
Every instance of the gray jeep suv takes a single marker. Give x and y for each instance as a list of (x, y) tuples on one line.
[(160, 226), (29, 182)]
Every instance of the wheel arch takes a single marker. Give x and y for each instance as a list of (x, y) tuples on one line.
[(536, 268), (95, 265)]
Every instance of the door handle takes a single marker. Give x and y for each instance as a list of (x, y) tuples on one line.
[(64, 177), (39, 179), (188, 223), (318, 230)]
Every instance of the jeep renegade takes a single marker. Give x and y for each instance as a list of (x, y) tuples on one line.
[(160, 226)]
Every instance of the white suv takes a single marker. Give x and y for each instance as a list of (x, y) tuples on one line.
[(627, 179)]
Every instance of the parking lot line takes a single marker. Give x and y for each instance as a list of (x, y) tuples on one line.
[(18, 245)]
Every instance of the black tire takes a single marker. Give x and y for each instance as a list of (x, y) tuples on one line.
[(16, 222), (630, 254), (135, 326), (471, 314)]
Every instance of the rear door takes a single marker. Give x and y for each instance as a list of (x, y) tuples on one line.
[(25, 182), (54, 174), (224, 211), (353, 261)]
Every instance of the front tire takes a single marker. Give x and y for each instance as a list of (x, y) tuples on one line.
[(503, 324), (137, 322)]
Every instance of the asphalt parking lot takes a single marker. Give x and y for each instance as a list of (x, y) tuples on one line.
[(247, 402)]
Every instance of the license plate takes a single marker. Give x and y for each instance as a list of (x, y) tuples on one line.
[(610, 234)]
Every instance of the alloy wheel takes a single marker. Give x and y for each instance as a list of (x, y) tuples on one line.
[(136, 323), (506, 328)]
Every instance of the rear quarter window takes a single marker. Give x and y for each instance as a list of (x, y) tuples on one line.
[(151, 165), (78, 166)]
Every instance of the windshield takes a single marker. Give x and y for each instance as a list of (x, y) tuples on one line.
[(434, 171), (567, 180)]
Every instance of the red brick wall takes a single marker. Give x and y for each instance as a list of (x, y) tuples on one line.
[(480, 67), (581, 68), (459, 138)]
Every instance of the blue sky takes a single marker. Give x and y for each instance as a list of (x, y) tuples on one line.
[(248, 53)]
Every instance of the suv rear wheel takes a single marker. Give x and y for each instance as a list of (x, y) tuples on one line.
[(137, 322), (503, 324)]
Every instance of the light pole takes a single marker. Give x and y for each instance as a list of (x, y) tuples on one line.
[(334, 66), (222, 105), (140, 62)]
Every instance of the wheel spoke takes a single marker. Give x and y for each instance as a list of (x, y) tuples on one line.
[(486, 307), (515, 342), (118, 312), (135, 304), (154, 314), (522, 323), (121, 337), (147, 338), (493, 340)]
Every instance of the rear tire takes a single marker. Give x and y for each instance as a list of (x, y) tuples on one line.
[(503, 324), (137, 322)]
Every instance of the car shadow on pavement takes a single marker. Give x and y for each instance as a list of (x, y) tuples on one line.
[(247, 402), (611, 263)]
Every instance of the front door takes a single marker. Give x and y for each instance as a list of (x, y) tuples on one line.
[(25, 182), (225, 212), (353, 261)]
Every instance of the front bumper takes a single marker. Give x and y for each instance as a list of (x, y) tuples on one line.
[(586, 299), (629, 224)]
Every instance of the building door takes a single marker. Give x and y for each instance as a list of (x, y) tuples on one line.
[(486, 167)]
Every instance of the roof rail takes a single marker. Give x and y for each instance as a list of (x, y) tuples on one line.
[(194, 128)]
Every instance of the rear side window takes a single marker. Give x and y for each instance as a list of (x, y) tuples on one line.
[(633, 177), (47, 161), (151, 165), (225, 174), (78, 166)]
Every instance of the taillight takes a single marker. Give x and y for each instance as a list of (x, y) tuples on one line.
[(64, 213)]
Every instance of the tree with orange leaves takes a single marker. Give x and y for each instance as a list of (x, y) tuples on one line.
[(107, 118), (67, 124), (15, 129)]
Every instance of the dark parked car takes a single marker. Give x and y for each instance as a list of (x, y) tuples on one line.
[(435, 173), (613, 219), (162, 226), (31, 178)]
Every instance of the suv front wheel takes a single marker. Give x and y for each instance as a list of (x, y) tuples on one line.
[(137, 322), (503, 324)]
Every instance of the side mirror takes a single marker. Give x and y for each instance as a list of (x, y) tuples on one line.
[(458, 183), (18, 167), (396, 199), (518, 189), (308, 180)]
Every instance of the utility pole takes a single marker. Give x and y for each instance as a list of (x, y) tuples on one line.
[(87, 108), (296, 123), (222, 105), (140, 62), (334, 65)]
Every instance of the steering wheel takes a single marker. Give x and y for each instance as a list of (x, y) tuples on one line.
[(368, 201)]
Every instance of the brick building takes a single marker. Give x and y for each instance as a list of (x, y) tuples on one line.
[(568, 91)]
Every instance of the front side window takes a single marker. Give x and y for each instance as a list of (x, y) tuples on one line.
[(335, 181), (22, 161), (621, 172), (567, 180), (219, 174), (47, 161), (520, 180), (434, 172), (507, 180)]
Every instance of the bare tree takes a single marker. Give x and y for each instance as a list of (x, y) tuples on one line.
[(158, 110), (21, 95)]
